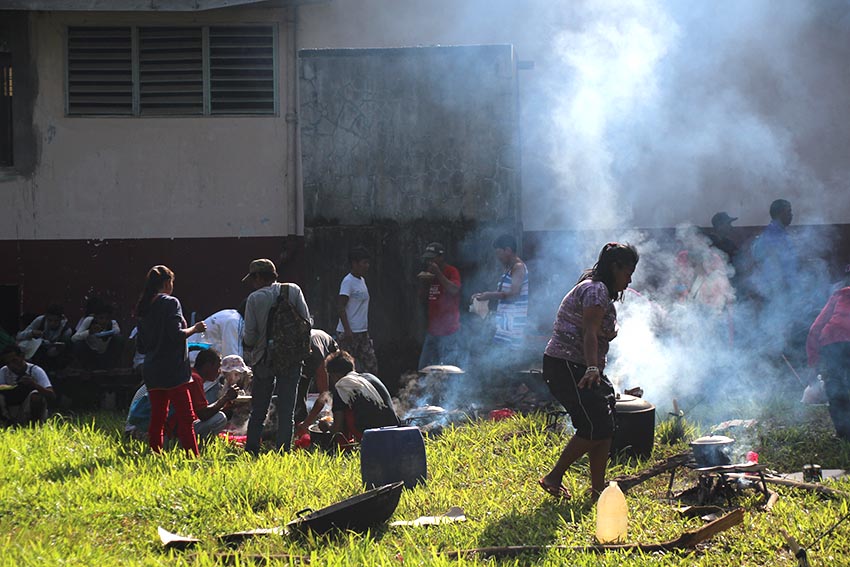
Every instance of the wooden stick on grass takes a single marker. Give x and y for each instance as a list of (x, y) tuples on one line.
[(626, 482), (685, 541)]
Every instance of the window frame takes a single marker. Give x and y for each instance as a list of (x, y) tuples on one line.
[(206, 72)]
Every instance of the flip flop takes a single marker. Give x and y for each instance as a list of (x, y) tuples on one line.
[(560, 492)]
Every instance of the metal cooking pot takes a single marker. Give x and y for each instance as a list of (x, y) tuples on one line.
[(712, 450), (635, 433), (357, 513)]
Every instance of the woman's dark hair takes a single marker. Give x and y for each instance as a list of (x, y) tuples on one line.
[(156, 278), (613, 253), (505, 241), (339, 362)]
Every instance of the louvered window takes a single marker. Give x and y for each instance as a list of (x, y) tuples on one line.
[(170, 70), (100, 71), (242, 69)]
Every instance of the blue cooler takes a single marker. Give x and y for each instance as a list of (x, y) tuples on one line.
[(392, 454)]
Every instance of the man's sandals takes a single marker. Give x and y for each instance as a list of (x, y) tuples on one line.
[(560, 492)]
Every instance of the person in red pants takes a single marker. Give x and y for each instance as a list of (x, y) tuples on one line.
[(166, 371)]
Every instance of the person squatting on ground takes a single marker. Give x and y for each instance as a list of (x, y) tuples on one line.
[(828, 350), (440, 287), (26, 390), (162, 339), (361, 401), (574, 361), (352, 331), (271, 376)]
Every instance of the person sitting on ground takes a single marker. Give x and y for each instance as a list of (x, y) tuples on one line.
[(98, 342), (314, 372), (54, 332), (210, 417), (234, 372), (360, 400), (27, 398)]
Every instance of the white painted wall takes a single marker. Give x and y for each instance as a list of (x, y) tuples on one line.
[(649, 113), (149, 177)]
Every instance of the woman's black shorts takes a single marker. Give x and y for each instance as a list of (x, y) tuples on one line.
[(591, 409)]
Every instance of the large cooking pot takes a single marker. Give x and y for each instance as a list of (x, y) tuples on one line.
[(357, 513), (635, 421), (712, 450)]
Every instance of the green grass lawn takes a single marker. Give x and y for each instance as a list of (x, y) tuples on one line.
[(72, 492)]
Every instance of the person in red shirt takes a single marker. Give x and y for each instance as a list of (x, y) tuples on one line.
[(440, 287), (209, 418), (828, 350)]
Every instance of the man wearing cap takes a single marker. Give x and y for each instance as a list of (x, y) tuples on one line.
[(262, 275), (721, 235), (352, 331), (440, 287)]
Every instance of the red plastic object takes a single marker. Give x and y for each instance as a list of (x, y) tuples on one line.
[(752, 457), (303, 442), (238, 440), (499, 414)]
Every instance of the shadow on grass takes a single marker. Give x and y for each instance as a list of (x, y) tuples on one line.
[(539, 527)]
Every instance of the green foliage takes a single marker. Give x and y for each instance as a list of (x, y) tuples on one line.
[(73, 492)]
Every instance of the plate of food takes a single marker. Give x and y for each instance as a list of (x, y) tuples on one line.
[(424, 275), (104, 334), (242, 399), (6, 387)]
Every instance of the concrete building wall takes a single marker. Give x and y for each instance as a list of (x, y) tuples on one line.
[(146, 177), (403, 134)]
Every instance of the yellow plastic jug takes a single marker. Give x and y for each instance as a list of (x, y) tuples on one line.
[(612, 515)]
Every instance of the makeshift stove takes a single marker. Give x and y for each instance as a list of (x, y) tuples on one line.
[(720, 482)]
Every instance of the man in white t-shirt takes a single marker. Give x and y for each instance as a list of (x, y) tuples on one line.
[(24, 388), (353, 308), (225, 329)]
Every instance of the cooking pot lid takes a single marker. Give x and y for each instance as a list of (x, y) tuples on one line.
[(632, 404), (441, 369), (713, 440)]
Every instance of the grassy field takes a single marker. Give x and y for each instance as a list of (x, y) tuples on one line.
[(72, 492)]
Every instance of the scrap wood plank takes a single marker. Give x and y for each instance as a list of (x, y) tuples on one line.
[(630, 481), (685, 541)]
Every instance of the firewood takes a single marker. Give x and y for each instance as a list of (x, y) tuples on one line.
[(630, 481), (685, 541)]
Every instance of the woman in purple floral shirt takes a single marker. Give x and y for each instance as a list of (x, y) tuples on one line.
[(574, 361)]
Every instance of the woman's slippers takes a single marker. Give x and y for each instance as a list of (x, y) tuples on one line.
[(560, 492)]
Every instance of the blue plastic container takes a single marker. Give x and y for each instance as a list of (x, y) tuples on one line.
[(392, 454)]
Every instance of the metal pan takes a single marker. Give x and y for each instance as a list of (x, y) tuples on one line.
[(357, 513)]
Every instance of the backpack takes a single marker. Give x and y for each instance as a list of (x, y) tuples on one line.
[(287, 331)]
